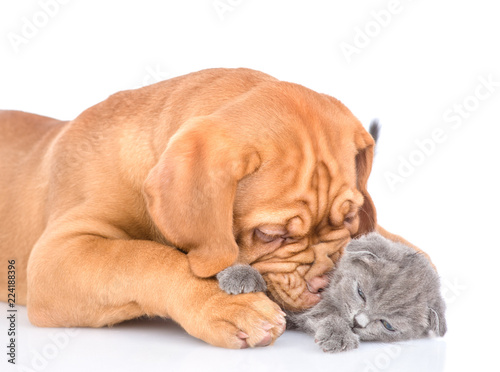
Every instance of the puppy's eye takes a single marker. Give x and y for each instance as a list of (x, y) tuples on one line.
[(266, 238), (361, 294), (349, 219), (387, 325)]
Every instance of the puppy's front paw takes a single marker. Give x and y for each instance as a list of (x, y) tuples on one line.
[(238, 322), (239, 279), (333, 336)]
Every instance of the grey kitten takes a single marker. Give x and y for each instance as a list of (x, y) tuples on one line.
[(379, 291)]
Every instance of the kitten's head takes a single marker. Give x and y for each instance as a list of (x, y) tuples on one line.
[(387, 291)]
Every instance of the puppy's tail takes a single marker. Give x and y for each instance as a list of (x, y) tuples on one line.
[(374, 130)]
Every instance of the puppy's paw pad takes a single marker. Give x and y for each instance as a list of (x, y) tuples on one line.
[(239, 279)]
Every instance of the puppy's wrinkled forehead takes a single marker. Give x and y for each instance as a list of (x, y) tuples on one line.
[(308, 174)]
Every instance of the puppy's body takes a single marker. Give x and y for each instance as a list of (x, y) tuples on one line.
[(105, 154), (228, 166), (22, 168)]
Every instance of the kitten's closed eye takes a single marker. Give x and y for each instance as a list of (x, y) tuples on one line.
[(361, 294), (387, 325)]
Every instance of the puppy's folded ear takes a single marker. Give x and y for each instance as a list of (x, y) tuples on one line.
[(191, 190), (364, 160)]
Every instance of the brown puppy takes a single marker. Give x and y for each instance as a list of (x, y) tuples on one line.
[(134, 206)]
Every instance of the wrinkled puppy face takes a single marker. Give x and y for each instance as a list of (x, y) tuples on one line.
[(294, 215), (265, 173)]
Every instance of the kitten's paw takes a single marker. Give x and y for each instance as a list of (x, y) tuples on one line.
[(241, 279), (333, 336), (338, 343)]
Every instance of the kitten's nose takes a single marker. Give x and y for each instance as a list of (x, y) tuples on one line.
[(360, 321)]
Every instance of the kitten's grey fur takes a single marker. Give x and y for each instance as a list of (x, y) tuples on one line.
[(379, 291), (241, 279)]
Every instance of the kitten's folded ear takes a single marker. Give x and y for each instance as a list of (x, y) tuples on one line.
[(360, 249), (437, 321), (362, 256)]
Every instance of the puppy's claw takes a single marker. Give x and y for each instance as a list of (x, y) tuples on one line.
[(242, 335), (267, 326), (266, 340)]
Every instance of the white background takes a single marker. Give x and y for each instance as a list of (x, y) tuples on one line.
[(420, 70)]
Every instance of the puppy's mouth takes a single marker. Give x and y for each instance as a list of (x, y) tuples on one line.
[(292, 291)]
